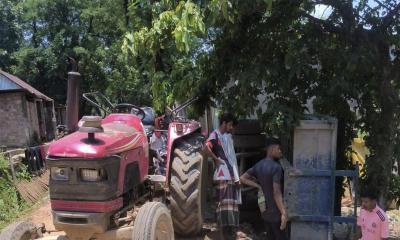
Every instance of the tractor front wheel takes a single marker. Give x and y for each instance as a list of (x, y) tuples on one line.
[(19, 231), (153, 222), (187, 186)]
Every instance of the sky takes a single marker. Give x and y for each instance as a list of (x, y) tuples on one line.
[(323, 11)]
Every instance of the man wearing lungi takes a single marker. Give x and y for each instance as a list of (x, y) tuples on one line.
[(219, 147)]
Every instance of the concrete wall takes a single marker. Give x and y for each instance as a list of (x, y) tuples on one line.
[(14, 128)]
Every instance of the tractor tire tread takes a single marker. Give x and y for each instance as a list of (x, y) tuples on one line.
[(146, 218), (185, 187)]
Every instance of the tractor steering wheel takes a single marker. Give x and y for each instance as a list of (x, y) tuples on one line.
[(132, 109)]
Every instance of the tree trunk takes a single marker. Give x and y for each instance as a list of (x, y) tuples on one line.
[(34, 34), (341, 146), (379, 166), (387, 120), (126, 11)]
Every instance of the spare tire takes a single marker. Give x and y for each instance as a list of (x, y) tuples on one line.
[(153, 222), (18, 231)]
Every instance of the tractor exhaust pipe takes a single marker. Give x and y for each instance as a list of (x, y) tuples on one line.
[(73, 96)]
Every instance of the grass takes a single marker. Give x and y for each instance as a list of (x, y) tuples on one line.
[(11, 204)]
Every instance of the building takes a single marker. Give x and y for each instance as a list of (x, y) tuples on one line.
[(26, 115)]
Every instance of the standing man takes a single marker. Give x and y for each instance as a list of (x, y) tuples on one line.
[(219, 147), (268, 173), (372, 224)]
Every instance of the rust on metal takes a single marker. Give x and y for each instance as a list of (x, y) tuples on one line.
[(73, 96)]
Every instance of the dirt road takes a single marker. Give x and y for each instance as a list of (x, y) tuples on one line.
[(42, 214)]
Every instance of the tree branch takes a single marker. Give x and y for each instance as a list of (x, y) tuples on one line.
[(322, 23), (372, 9), (388, 19), (381, 4), (345, 8)]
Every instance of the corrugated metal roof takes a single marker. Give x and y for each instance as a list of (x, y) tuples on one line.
[(6, 84), (16, 81)]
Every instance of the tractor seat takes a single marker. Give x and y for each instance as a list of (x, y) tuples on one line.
[(148, 121), (149, 118)]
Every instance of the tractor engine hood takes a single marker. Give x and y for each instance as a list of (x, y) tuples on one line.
[(121, 132)]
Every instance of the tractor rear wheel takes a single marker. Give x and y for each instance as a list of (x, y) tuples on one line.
[(153, 222), (187, 187), (18, 231)]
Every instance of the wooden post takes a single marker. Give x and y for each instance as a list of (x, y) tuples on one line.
[(11, 165)]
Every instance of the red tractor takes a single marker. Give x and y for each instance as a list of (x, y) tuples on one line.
[(102, 174)]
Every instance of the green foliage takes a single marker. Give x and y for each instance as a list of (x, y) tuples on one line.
[(23, 173), (10, 203), (4, 169), (273, 57), (182, 22), (161, 46), (10, 32), (89, 31)]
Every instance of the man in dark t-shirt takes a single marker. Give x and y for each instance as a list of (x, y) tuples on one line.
[(268, 173)]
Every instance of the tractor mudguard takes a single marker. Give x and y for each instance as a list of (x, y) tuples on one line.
[(177, 130)]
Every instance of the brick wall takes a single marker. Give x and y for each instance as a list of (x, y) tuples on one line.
[(14, 131)]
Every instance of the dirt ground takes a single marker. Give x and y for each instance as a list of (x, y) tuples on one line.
[(42, 214)]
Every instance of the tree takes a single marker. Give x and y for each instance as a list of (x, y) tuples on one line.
[(365, 35), (232, 52), (10, 32), (89, 31), (165, 47), (281, 53)]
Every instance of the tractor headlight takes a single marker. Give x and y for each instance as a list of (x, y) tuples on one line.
[(92, 175), (59, 173)]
